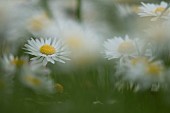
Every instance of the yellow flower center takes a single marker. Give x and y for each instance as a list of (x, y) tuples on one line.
[(126, 47), (159, 9), (17, 62), (154, 69), (74, 42), (33, 81), (59, 88), (47, 49), (39, 22), (151, 68)]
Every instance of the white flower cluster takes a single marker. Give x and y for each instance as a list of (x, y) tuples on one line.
[(143, 62), (42, 42)]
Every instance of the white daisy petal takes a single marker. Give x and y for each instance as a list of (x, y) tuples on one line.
[(59, 60)]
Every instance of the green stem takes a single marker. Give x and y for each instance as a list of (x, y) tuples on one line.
[(44, 4), (78, 11)]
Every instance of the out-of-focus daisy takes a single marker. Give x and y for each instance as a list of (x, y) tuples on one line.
[(120, 48), (144, 72), (46, 50), (38, 83), (147, 67), (37, 78), (81, 40), (40, 24), (154, 10), (11, 63)]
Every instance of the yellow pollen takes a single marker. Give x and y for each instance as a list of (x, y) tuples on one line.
[(126, 47), (47, 49), (159, 9), (17, 62), (32, 80), (154, 69)]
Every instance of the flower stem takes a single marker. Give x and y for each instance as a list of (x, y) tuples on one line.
[(78, 11), (44, 4)]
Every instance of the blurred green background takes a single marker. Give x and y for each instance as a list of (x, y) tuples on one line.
[(88, 89)]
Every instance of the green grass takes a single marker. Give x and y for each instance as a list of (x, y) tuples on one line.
[(85, 91)]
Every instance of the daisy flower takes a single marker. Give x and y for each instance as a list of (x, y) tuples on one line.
[(81, 40), (46, 50), (38, 83), (11, 63), (154, 10), (120, 48), (144, 72), (40, 24), (147, 67), (37, 78)]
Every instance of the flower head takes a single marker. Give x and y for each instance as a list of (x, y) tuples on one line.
[(11, 63), (118, 48), (39, 22), (143, 72), (154, 10), (82, 41), (37, 78), (46, 50), (149, 68), (38, 83)]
